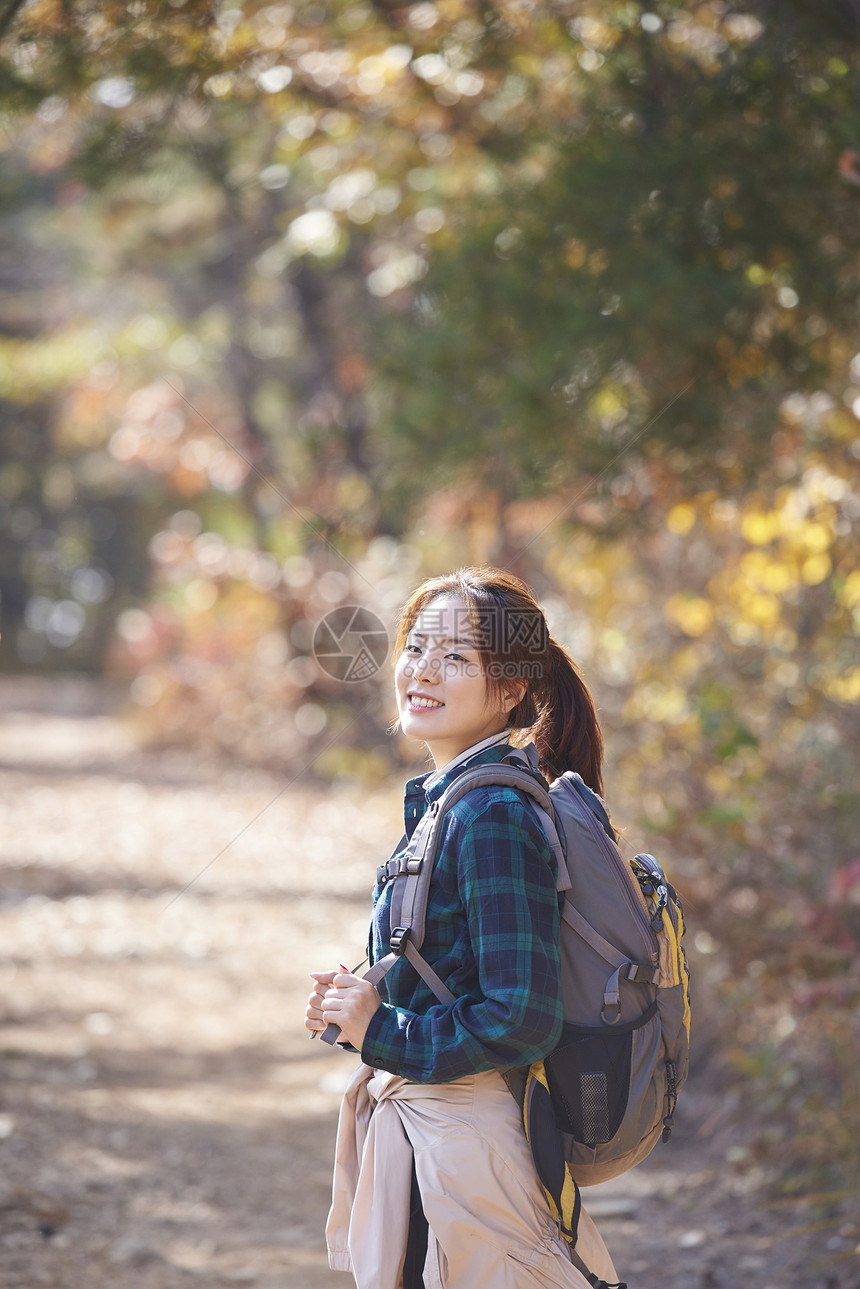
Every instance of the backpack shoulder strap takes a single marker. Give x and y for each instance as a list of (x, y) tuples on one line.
[(518, 770), (411, 891), (412, 879)]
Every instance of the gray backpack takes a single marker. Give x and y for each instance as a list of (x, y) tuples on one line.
[(597, 1104)]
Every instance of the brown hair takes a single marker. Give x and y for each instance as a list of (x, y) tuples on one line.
[(556, 710)]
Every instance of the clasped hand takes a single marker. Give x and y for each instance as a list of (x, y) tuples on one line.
[(342, 999)]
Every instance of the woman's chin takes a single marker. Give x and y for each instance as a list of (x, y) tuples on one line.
[(414, 724)]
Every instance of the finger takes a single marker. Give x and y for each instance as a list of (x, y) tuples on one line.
[(323, 977)]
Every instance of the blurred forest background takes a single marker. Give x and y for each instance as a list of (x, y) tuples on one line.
[(302, 302)]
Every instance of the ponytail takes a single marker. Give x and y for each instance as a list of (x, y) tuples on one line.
[(567, 733)]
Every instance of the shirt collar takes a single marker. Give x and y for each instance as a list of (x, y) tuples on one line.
[(419, 791)]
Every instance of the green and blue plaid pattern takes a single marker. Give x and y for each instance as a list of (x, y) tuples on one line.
[(492, 935)]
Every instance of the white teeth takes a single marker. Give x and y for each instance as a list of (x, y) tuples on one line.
[(424, 702)]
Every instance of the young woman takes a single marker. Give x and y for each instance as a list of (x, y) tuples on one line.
[(434, 1184)]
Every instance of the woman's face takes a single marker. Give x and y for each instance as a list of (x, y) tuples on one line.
[(441, 689)]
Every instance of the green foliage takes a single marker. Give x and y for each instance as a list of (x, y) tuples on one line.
[(668, 243)]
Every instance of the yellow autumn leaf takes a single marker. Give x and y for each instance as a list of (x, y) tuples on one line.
[(681, 518), (743, 633), (778, 577), (575, 253), (850, 593), (815, 569), (759, 573), (609, 401), (757, 274), (815, 537), (760, 527), (753, 565), (844, 689), (761, 610), (693, 614), (664, 704)]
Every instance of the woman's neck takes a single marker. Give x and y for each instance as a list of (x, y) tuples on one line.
[(501, 736)]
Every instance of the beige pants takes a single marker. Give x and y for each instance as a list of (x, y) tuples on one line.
[(490, 1226)]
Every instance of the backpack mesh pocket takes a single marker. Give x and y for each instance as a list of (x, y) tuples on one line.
[(589, 1079)]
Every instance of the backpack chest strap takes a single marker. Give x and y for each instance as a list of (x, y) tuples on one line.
[(399, 866)]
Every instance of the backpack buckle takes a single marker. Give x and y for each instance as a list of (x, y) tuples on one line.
[(398, 939), (390, 869)]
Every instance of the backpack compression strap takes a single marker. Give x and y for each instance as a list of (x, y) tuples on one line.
[(558, 1183)]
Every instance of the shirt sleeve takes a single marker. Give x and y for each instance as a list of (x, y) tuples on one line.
[(506, 879)]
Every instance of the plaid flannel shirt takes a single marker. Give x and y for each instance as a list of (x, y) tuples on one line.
[(492, 935)]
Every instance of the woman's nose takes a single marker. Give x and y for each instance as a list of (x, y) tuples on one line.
[(426, 668)]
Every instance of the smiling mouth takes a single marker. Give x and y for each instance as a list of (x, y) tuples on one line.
[(423, 704)]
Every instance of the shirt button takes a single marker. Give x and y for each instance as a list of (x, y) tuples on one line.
[(378, 1062)]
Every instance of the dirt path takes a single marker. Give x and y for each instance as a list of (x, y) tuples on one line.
[(164, 1122)]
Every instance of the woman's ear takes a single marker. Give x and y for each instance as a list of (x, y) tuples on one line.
[(514, 696)]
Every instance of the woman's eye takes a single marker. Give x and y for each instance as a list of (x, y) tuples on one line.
[(458, 657), (411, 648)]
